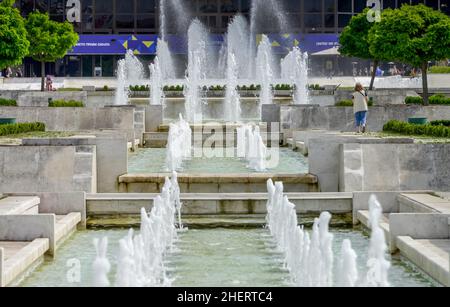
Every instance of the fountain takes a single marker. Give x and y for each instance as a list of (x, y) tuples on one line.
[(264, 70), (232, 97), (156, 82), (309, 257), (250, 146), (179, 144), (141, 259), (130, 71), (121, 96), (294, 68), (166, 63), (238, 38)]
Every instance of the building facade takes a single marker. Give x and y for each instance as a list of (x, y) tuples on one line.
[(104, 24)]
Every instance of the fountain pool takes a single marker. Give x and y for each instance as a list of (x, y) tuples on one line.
[(210, 257), (152, 160)]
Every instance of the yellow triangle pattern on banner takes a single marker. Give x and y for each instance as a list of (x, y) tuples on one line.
[(134, 38), (148, 44), (275, 44), (136, 51), (125, 44)]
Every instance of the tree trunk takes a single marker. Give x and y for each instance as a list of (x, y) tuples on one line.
[(425, 83), (374, 74), (42, 76)]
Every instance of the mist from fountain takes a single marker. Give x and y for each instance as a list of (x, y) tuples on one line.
[(179, 144), (250, 146), (232, 97), (294, 68), (238, 38), (141, 259), (309, 257), (262, 11), (167, 65), (134, 69), (156, 83), (265, 70)]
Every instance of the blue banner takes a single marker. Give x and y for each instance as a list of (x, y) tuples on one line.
[(146, 44)]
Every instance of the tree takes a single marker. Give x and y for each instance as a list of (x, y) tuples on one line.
[(13, 36), (354, 40), (49, 40), (413, 34)]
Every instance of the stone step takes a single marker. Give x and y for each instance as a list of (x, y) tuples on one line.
[(423, 203), (210, 126), (364, 215), (17, 205), (220, 203), (66, 225)]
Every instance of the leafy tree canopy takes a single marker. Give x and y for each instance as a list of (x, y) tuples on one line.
[(413, 34), (13, 36), (49, 40)]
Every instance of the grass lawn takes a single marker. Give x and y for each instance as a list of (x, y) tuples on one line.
[(15, 139), (420, 139)]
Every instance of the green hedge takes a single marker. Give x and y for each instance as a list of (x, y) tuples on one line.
[(173, 88), (21, 128), (284, 87), (8, 102), (440, 123), (65, 104), (438, 99), (139, 88), (440, 70), (349, 103), (315, 87), (411, 129)]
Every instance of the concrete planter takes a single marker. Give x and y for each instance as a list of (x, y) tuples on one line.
[(220, 93), (173, 94), (248, 93), (283, 93), (6, 121), (139, 93)]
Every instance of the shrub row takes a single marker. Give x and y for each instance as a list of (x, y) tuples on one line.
[(251, 87), (411, 129), (21, 128), (284, 87), (139, 88), (349, 103), (435, 99), (315, 87), (440, 70), (173, 88), (440, 123), (8, 102), (65, 104)]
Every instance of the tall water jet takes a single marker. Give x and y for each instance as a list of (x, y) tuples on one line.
[(101, 265), (265, 70), (197, 37), (156, 83), (294, 68), (165, 60), (377, 264), (261, 12), (250, 146), (134, 69), (238, 38), (175, 14), (232, 97), (179, 144), (121, 96), (347, 266)]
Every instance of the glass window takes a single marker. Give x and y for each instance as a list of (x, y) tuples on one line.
[(41, 6), (245, 6), (445, 7), (146, 6), (343, 20), (313, 21), (87, 7), (208, 6), (292, 5), (433, 3), (212, 22), (73, 66), (229, 6), (295, 20), (57, 7), (103, 6), (124, 7), (145, 21), (330, 6), (125, 21), (58, 18), (26, 7), (360, 5), (389, 4), (107, 65), (313, 6), (345, 6), (329, 21), (103, 21), (88, 23), (87, 65), (225, 21), (401, 2)]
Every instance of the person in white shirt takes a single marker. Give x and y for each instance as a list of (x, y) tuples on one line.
[(360, 108)]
